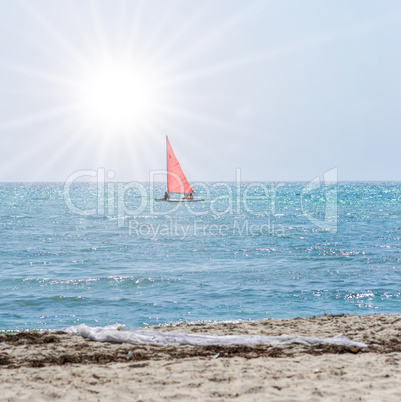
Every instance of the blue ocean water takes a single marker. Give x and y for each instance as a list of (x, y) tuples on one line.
[(100, 254)]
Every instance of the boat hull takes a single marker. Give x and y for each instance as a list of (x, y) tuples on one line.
[(182, 200)]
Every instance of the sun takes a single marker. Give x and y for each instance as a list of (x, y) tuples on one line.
[(118, 80), (117, 95)]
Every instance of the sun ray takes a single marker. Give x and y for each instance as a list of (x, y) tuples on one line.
[(196, 142), (20, 159), (167, 108), (212, 38), (216, 68), (49, 77), (37, 147), (48, 27), (99, 29), (157, 35), (132, 36), (197, 117), (37, 117), (275, 53), (170, 108), (168, 43), (71, 142), (140, 152)]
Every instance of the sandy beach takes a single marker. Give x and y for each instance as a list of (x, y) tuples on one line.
[(53, 366)]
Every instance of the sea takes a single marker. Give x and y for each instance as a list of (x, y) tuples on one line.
[(107, 252)]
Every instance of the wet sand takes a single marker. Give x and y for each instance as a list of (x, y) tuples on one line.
[(53, 366)]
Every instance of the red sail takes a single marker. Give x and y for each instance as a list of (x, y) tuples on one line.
[(176, 180)]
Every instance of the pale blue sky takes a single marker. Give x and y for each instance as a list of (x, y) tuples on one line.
[(283, 89)]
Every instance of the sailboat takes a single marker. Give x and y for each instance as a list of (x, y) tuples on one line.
[(177, 183)]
